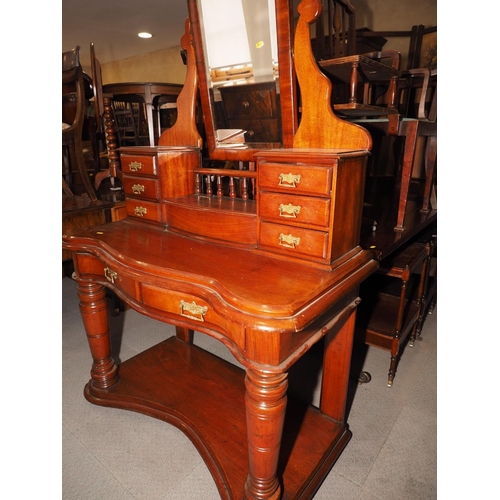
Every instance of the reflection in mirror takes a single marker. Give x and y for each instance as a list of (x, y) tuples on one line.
[(240, 46), (240, 52)]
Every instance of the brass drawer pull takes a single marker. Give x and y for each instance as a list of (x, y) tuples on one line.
[(110, 275), (138, 189), (245, 104), (289, 241), (289, 211), (192, 310), (140, 211), (135, 166), (289, 180)]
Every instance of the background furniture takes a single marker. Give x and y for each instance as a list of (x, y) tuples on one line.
[(392, 305), (81, 212), (73, 115), (146, 93)]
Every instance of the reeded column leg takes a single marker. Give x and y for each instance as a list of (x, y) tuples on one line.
[(94, 310), (265, 402)]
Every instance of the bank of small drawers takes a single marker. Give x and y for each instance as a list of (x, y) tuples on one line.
[(141, 186), (295, 208)]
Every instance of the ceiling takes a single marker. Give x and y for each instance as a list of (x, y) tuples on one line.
[(112, 25)]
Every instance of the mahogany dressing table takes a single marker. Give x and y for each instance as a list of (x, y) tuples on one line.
[(269, 292)]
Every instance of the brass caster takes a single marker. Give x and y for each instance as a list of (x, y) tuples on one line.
[(389, 383), (364, 378)]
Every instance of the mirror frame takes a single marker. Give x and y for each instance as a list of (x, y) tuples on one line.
[(287, 84)]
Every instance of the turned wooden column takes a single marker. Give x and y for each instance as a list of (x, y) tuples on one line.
[(111, 146), (265, 403), (94, 311)]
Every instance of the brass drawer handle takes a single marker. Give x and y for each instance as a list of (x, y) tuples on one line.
[(289, 180), (289, 211), (289, 241), (245, 104), (192, 310), (140, 211), (135, 166), (110, 274), (138, 189)]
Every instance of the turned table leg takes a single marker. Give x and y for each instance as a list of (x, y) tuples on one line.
[(94, 311), (265, 403)]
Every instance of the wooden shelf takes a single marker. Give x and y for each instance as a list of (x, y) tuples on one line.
[(204, 397), (377, 322)]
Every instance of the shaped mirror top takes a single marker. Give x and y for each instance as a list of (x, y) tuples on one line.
[(240, 63)]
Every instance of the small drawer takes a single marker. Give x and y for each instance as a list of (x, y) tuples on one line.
[(293, 209), (143, 210), (295, 178), (145, 188), (88, 265), (293, 240), (138, 165)]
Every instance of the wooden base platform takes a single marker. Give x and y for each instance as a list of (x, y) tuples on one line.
[(175, 381)]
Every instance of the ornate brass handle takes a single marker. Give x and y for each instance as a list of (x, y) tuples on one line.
[(289, 241), (289, 211), (289, 180), (245, 104), (138, 189), (192, 310), (135, 166), (140, 211), (110, 274)]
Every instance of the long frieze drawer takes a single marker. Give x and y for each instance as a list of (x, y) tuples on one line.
[(138, 165), (295, 178), (144, 210), (293, 209), (146, 188), (185, 305), (293, 240)]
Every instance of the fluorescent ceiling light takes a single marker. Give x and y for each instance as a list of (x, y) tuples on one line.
[(144, 35)]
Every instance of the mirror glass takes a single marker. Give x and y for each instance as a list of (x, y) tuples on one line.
[(240, 52), (240, 40)]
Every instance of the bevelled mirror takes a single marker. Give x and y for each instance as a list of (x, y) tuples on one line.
[(243, 56)]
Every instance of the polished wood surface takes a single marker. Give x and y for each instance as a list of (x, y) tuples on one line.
[(268, 320)]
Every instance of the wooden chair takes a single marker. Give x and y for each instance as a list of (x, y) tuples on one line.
[(351, 72), (73, 115), (415, 124)]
